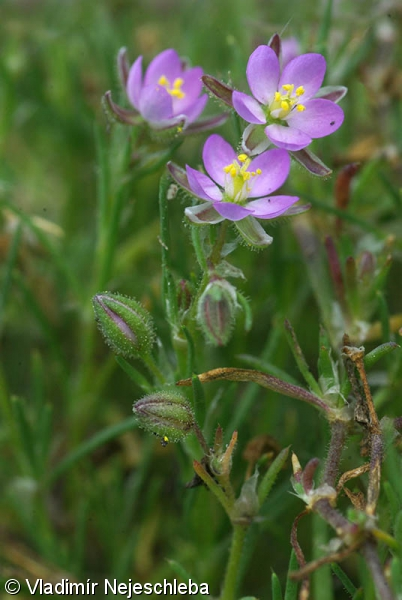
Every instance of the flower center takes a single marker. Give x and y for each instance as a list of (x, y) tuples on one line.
[(284, 103), (175, 89), (238, 181)]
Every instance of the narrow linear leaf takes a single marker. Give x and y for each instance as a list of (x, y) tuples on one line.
[(276, 587), (291, 585), (269, 478)]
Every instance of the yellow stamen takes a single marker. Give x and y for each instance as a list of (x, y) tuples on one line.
[(178, 82), (238, 171), (174, 90), (284, 103)]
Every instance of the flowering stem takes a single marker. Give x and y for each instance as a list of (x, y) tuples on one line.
[(232, 568), (370, 553), (338, 436), (168, 284), (153, 368), (197, 244), (215, 256)]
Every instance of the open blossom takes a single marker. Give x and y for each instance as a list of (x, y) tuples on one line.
[(235, 186), (167, 97), (287, 106), (169, 93)]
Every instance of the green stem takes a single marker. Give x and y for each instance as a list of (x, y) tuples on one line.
[(215, 256), (232, 569), (153, 368), (168, 284)]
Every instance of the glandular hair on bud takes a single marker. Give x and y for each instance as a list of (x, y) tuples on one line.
[(125, 324), (216, 311), (167, 414)]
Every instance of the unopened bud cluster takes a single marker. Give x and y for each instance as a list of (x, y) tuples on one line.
[(125, 324), (167, 414)]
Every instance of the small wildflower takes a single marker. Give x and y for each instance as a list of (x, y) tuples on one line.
[(231, 180), (283, 104), (167, 97)]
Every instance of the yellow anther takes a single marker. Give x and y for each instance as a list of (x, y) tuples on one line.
[(300, 107), (258, 171), (233, 171), (300, 91), (284, 105), (178, 82), (242, 157), (277, 96), (246, 175), (175, 90), (227, 168), (288, 87), (176, 93)]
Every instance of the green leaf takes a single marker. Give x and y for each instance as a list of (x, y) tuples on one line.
[(347, 584), (291, 585), (276, 587), (269, 478)]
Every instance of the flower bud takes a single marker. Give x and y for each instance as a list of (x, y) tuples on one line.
[(167, 414), (125, 324), (216, 311)]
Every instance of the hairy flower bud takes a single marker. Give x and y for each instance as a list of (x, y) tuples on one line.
[(216, 311), (167, 414), (125, 324)]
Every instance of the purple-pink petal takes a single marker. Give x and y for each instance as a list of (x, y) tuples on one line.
[(231, 211), (155, 103), (263, 74), (321, 118), (307, 70), (269, 208), (248, 108), (290, 48), (202, 186), (192, 86), (275, 167), (134, 83), (217, 154), (194, 111), (166, 63), (288, 138)]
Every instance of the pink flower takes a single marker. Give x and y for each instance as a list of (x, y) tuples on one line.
[(169, 93), (168, 96), (235, 186), (284, 105)]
